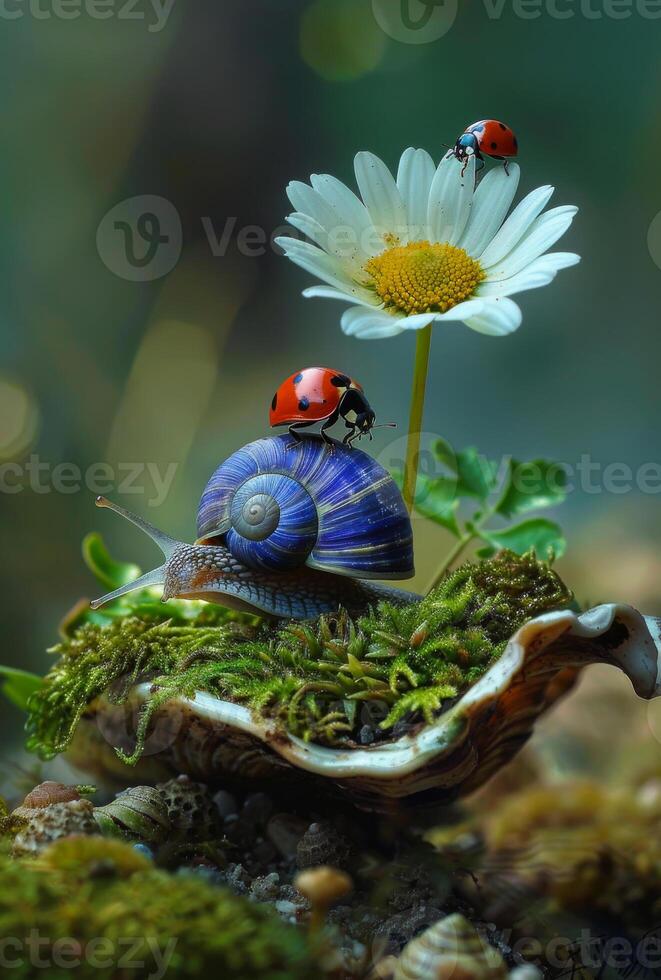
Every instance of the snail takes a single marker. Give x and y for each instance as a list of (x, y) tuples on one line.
[(291, 530)]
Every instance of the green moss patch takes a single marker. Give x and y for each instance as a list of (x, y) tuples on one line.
[(321, 680), (98, 910)]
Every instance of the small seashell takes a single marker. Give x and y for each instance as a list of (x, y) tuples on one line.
[(321, 844), (49, 792), (383, 969), (43, 795), (190, 808), (50, 823), (139, 813), (451, 949)]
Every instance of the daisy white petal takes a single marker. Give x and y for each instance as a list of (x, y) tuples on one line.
[(492, 201), (539, 273), (417, 321), (464, 202), (351, 217), (357, 294), (310, 228), (498, 318), (471, 307), (558, 260), (326, 267), (369, 324), (544, 232), (307, 201), (381, 195), (516, 226), (450, 198), (414, 177), (344, 249)]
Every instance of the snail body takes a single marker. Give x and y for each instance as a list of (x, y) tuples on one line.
[(293, 530)]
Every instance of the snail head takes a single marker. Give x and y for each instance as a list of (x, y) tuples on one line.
[(193, 571), (162, 575)]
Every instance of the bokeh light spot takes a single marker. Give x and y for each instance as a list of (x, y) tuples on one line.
[(340, 39), (18, 418)]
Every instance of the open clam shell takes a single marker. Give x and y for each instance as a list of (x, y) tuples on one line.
[(212, 739)]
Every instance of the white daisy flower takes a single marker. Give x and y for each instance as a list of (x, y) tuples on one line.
[(426, 247)]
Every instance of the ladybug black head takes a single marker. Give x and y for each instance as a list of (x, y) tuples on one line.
[(365, 420), (466, 146), (356, 410)]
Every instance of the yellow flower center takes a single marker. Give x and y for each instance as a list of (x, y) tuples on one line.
[(424, 277)]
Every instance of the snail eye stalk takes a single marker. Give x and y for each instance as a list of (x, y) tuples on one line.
[(157, 576)]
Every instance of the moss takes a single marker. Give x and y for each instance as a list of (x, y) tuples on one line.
[(98, 902), (314, 679), (79, 859)]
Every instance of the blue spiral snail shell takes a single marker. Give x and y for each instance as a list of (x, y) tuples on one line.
[(279, 505)]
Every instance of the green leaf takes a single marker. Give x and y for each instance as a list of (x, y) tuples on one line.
[(109, 572), (475, 474), (445, 454), (436, 498), (537, 483), (542, 535), (19, 685)]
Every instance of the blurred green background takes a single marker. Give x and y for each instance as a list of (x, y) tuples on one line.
[(216, 112)]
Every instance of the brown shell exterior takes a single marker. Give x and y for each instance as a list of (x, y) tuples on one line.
[(49, 792), (210, 739), (451, 949)]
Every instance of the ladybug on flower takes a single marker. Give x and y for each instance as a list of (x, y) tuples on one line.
[(318, 394), (489, 138)]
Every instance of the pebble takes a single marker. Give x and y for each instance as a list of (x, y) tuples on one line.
[(267, 888), (225, 804), (526, 972), (284, 830), (257, 808), (366, 735), (145, 850), (286, 909)]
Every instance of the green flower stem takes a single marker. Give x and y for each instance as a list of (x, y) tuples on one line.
[(422, 346), (470, 533), (452, 557)]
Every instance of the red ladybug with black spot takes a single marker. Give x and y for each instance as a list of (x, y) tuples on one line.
[(489, 138), (320, 394)]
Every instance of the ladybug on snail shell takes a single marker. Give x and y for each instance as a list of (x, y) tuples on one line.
[(319, 394), (288, 529)]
